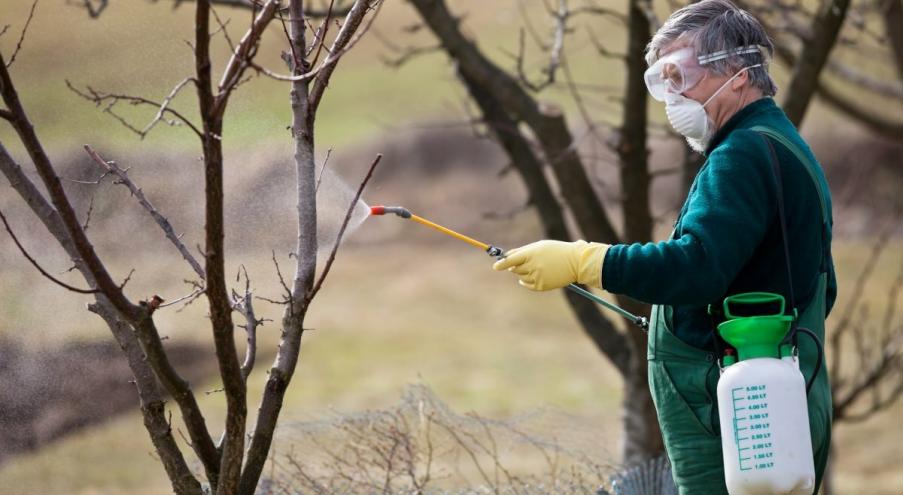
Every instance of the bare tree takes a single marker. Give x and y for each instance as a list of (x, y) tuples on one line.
[(229, 466), (546, 152), (866, 359)]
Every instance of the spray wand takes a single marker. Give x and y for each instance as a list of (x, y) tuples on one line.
[(499, 253)]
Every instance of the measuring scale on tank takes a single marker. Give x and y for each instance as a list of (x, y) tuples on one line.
[(762, 404)]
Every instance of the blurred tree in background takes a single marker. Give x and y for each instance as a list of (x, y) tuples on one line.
[(544, 149)]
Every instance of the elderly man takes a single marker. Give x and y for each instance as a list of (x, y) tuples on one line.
[(708, 64)]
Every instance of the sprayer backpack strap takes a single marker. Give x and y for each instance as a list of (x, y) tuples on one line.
[(782, 217)]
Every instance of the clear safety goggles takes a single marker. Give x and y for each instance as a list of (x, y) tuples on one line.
[(680, 70)]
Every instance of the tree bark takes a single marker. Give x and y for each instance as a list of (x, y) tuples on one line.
[(306, 254), (893, 19), (232, 447)]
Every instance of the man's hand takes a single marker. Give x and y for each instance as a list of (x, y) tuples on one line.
[(547, 265)]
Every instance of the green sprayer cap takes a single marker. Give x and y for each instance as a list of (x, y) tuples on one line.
[(759, 335)]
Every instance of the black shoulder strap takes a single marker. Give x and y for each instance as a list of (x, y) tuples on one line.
[(776, 168)]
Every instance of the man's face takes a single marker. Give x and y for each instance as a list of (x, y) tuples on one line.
[(708, 84)]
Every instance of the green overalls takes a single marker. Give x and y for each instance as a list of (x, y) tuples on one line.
[(683, 381)]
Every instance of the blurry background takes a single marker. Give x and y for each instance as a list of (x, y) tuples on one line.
[(402, 305)]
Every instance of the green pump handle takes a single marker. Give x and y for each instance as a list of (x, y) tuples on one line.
[(753, 298)]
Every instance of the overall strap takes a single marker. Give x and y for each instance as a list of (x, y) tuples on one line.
[(808, 164), (812, 170)]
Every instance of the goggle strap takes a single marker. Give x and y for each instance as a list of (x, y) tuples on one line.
[(722, 54)]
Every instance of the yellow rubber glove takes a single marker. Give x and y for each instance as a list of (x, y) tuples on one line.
[(547, 265)]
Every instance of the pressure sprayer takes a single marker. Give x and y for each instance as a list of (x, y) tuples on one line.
[(762, 402), (499, 253)]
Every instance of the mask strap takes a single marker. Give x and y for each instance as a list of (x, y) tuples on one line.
[(728, 81)]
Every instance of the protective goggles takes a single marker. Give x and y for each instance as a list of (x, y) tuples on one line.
[(680, 70)]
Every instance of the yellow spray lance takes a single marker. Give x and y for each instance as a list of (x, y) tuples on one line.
[(499, 253)]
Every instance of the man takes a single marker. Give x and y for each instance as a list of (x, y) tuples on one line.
[(708, 64)]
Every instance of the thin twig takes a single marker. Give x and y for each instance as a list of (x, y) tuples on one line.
[(136, 191), (36, 265), (322, 36), (98, 98), (188, 297), (327, 63), (22, 36), (93, 12), (322, 170), (335, 247), (222, 27)]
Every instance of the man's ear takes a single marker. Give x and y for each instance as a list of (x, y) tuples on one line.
[(741, 80)]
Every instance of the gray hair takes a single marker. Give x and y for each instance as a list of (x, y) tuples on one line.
[(713, 25)]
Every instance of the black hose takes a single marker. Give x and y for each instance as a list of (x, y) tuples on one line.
[(821, 356)]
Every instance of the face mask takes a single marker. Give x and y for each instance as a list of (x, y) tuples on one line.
[(688, 116)]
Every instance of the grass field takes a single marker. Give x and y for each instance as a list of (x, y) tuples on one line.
[(436, 315)]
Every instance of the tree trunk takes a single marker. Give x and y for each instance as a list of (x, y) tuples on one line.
[(812, 59), (505, 104)]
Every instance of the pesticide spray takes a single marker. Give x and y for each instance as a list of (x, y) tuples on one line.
[(499, 253)]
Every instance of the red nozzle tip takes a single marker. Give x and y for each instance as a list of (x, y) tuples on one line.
[(377, 210)]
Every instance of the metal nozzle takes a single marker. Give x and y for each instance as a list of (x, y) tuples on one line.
[(398, 210)]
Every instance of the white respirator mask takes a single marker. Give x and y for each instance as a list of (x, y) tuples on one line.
[(678, 72)]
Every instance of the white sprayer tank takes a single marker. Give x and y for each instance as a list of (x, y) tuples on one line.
[(762, 403), (765, 428)]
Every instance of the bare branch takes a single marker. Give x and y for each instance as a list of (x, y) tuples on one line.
[(5, 28), (888, 88), (328, 65), (322, 169), (22, 36), (347, 37), (36, 265), (6, 115), (596, 10), (222, 29), (256, 4), (244, 305), (338, 241), (188, 299), (58, 197), (555, 48), (320, 34), (403, 54), (211, 107), (88, 5), (113, 168), (843, 326), (242, 55), (112, 99), (600, 48)]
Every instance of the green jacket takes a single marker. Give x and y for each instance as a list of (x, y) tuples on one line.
[(727, 238)]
